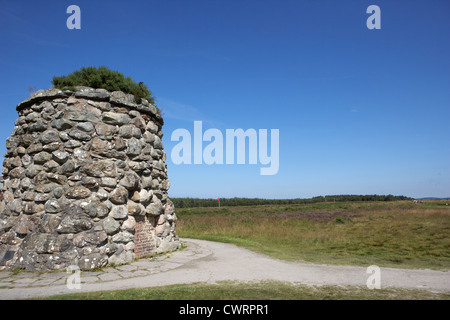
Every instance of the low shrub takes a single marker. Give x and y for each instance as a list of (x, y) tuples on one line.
[(105, 78)]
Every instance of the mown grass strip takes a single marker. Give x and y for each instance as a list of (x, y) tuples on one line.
[(266, 290)]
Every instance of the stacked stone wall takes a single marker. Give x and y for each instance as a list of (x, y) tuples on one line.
[(84, 182)]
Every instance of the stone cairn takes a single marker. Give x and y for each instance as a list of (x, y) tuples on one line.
[(84, 182)]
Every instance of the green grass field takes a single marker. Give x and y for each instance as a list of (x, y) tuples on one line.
[(266, 290), (391, 234)]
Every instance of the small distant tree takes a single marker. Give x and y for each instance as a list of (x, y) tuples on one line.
[(105, 78)]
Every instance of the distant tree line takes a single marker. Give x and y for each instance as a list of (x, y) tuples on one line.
[(197, 202)]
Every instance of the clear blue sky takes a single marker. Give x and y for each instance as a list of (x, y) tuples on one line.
[(359, 111)]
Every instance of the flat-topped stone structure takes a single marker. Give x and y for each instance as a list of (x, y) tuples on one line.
[(84, 182)]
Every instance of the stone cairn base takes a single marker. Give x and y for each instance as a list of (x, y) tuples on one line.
[(84, 183)]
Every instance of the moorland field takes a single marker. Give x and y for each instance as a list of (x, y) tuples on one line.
[(400, 234)]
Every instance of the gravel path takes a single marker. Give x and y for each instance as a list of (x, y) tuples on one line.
[(205, 261)]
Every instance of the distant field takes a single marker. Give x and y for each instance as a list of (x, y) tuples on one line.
[(391, 234)]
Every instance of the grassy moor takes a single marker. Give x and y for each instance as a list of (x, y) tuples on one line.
[(400, 234)]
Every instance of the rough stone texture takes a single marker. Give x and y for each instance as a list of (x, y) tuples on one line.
[(84, 183)]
